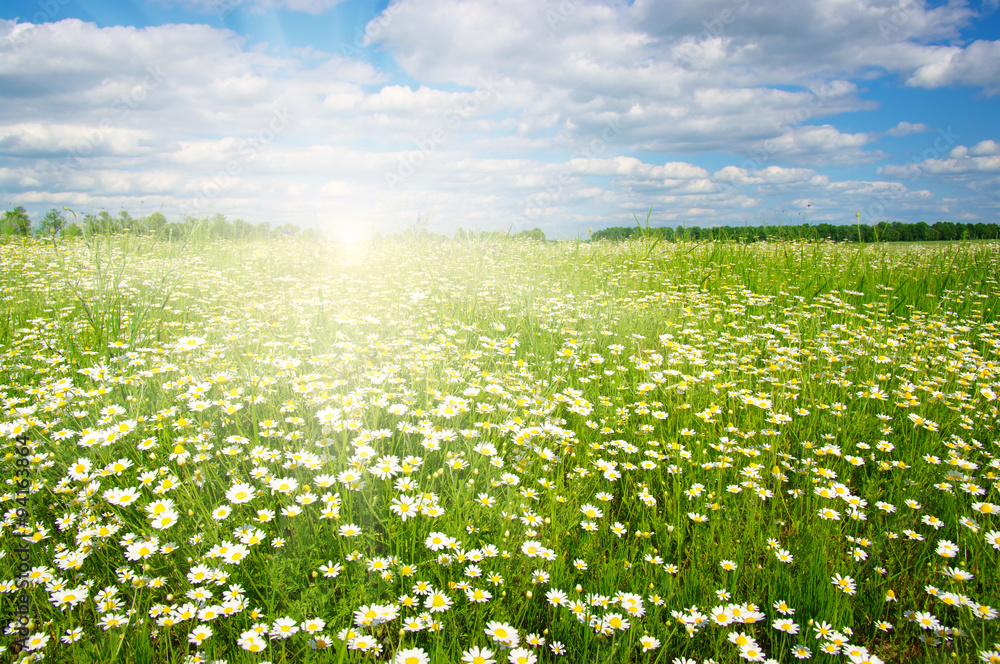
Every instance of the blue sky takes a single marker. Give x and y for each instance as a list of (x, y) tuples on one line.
[(357, 116)]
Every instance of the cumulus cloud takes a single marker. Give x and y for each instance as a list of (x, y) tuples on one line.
[(817, 145), (985, 148), (770, 175), (983, 157), (509, 113), (906, 128), (977, 64)]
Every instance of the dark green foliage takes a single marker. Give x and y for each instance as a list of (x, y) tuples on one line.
[(52, 223), (885, 231), (15, 222)]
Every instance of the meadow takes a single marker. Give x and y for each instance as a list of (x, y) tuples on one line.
[(499, 451)]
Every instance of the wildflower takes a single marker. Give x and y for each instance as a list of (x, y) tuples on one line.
[(349, 530), (283, 628), (721, 615), (932, 521), (125, 496), (240, 493), (823, 630), (140, 550), (36, 641), (991, 656), (926, 620), (411, 656), (615, 621), (830, 648), (112, 620), (785, 625), (957, 573), (752, 652), (252, 641), (801, 652), (437, 602), (235, 554), (649, 643), (405, 507), (200, 634), (477, 655), (845, 583), (69, 598), (521, 656), (556, 597), (985, 612), (502, 633), (478, 596)]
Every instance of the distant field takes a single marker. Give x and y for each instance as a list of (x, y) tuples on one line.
[(502, 451)]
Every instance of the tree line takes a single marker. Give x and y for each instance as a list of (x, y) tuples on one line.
[(65, 223), (885, 231)]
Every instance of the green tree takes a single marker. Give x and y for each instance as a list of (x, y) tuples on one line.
[(220, 227), (101, 224), (52, 223), (534, 234), (242, 229), (155, 222), (16, 222)]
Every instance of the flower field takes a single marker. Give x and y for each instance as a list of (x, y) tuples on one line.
[(491, 452)]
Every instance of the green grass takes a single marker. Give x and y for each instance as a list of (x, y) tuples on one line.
[(713, 380)]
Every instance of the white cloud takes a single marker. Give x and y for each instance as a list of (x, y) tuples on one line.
[(983, 157), (510, 114), (817, 145), (770, 175), (984, 148), (54, 140), (906, 128), (977, 64), (630, 166)]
